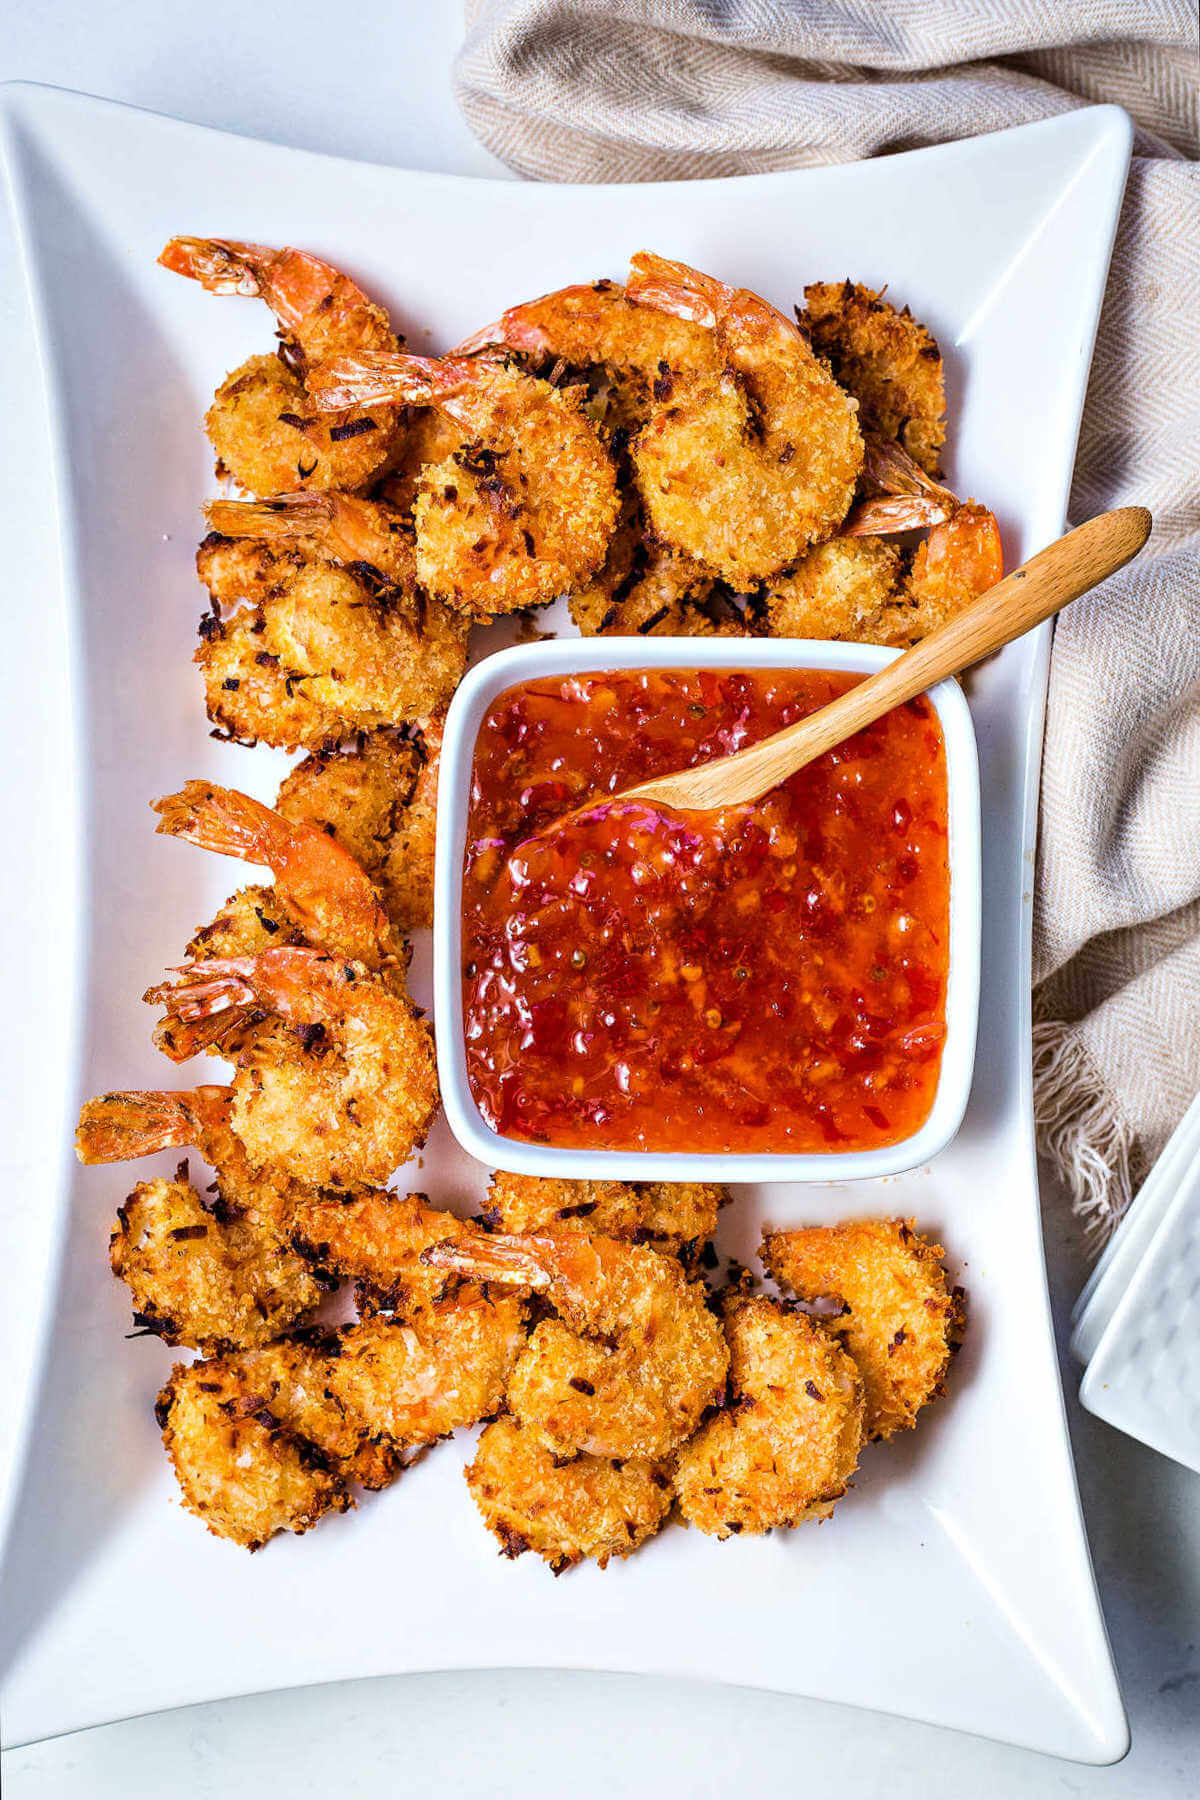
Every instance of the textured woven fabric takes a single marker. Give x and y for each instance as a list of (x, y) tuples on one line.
[(629, 90)]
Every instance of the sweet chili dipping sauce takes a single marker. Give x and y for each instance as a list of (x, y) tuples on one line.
[(770, 977)]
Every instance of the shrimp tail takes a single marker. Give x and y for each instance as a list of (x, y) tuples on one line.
[(673, 287), (339, 383), (119, 1127), (518, 1262), (893, 513), (285, 516), (222, 265), (221, 819), (224, 985)]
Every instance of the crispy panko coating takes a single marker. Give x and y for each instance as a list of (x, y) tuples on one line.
[(375, 1239), (211, 1278), (786, 1445), (342, 1087), (565, 1509), (289, 1379), (524, 508), (302, 652), (745, 468), (652, 592), (635, 1356), (241, 1471), (839, 590), (597, 329), (958, 561), (429, 437), (252, 920), (669, 1215), (416, 1380), (378, 798), (901, 1318), (886, 359), (269, 437)]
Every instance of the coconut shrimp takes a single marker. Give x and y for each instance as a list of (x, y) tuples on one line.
[(300, 652), (239, 1469), (121, 1127), (886, 359), (597, 329), (375, 1239), (379, 800), (327, 893), (859, 586), (745, 469), (645, 590), (341, 1088), (670, 1215), (635, 1356), (366, 1235), (524, 508), (417, 1380), (785, 1447), (262, 424), (290, 1379), (207, 1277), (564, 1509), (900, 1320)]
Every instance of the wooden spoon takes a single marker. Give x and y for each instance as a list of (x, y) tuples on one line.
[(1034, 592)]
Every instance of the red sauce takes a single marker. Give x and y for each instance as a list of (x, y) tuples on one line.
[(771, 977)]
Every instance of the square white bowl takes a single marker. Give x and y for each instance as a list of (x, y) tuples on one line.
[(527, 662)]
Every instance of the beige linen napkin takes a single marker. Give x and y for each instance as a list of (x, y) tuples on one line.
[(629, 90)]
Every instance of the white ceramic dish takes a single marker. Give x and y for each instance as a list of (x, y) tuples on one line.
[(527, 662), (954, 1584), (1115, 1268)]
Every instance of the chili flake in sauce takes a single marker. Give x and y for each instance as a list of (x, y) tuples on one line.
[(767, 978)]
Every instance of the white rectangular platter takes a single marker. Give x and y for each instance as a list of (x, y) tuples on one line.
[(954, 1583)]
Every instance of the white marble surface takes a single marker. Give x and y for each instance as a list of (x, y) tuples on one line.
[(380, 90)]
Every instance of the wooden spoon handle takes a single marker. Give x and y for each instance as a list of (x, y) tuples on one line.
[(1034, 592)]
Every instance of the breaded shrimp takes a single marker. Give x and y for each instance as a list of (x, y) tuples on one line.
[(319, 312), (597, 328), (339, 1091), (338, 1232), (239, 1470), (375, 1238), (901, 1318), (206, 1276), (647, 591), (634, 1358), (670, 1215), (786, 1445), (379, 800), (289, 1379), (309, 653), (326, 892), (746, 468), (524, 509), (565, 1509), (270, 439), (860, 587), (373, 540), (415, 1381), (886, 359), (842, 589)]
